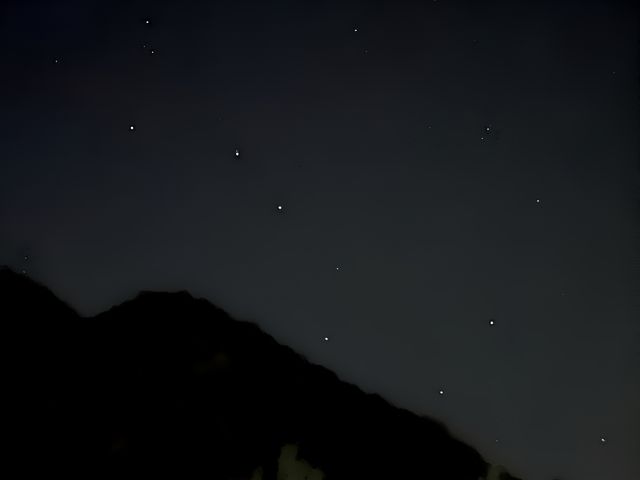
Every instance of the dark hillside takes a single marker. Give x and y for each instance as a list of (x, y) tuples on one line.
[(189, 392)]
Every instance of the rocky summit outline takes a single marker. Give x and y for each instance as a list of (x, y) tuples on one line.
[(189, 392)]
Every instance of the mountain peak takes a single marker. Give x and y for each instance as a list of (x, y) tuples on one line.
[(187, 390)]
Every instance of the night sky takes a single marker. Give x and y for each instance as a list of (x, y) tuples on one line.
[(438, 200)]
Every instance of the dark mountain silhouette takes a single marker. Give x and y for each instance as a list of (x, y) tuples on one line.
[(189, 392)]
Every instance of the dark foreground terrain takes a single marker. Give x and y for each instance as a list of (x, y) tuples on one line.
[(188, 392)]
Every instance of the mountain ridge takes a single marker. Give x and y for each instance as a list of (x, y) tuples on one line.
[(185, 388)]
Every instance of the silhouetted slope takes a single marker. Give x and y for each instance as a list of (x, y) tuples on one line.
[(48, 404), (188, 391)]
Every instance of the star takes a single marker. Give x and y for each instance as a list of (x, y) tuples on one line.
[(147, 22), (152, 52), (56, 60), (326, 339), (538, 201), (280, 207), (132, 128), (237, 152), (337, 269), (441, 392), (603, 440), (355, 29), (492, 322)]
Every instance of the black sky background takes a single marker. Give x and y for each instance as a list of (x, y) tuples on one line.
[(440, 166)]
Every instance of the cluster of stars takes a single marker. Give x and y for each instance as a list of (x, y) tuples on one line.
[(487, 131), (152, 51), (25, 258)]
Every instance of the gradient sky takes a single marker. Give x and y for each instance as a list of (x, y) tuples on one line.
[(458, 183)]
